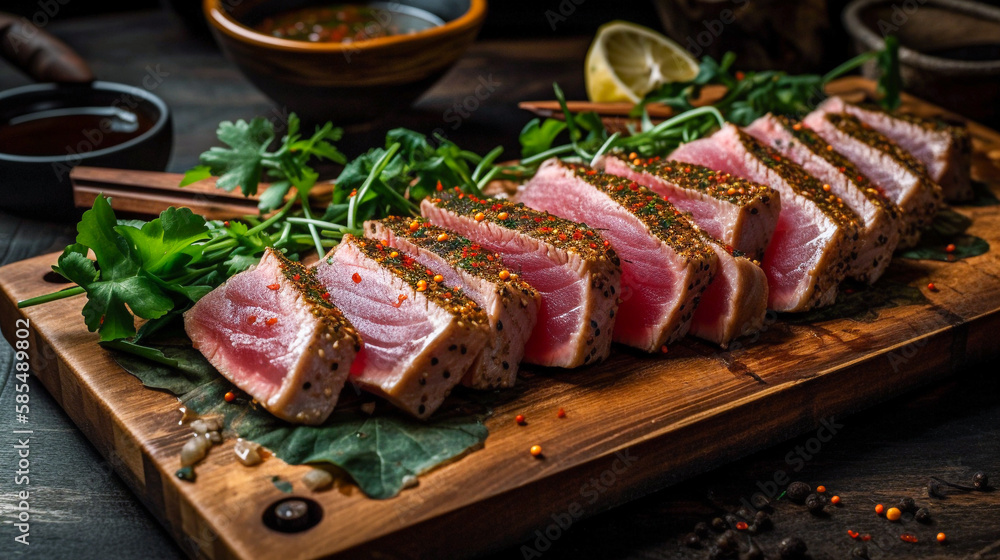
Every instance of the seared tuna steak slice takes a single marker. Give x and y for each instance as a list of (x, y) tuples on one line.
[(665, 265), (421, 336), (880, 217), (273, 333), (510, 303), (741, 214), (894, 170), (570, 264), (735, 303), (943, 147), (816, 234)]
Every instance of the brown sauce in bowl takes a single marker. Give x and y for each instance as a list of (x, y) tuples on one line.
[(347, 23)]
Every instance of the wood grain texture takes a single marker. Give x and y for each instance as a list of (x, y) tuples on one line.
[(150, 192), (668, 417)]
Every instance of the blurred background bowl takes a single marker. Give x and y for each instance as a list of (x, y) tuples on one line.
[(949, 50), (39, 186), (344, 83)]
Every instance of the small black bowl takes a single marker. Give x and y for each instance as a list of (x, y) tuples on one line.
[(38, 185)]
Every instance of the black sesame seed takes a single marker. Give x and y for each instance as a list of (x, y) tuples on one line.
[(814, 503), (464, 349), (434, 361), (334, 366), (452, 348), (923, 515), (306, 386), (981, 481), (446, 374), (505, 365), (499, 325), (421, 409), (422, 381)]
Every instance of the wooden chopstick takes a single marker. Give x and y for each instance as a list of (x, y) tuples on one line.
[(151, 192)]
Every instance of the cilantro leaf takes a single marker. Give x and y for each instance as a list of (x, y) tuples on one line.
[(538, 136), (239, 165)]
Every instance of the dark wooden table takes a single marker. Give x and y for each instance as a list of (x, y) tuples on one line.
[(82, 510)]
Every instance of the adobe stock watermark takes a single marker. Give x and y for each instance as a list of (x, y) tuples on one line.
[(589, 493), (900, 14), (19, 36), (94, 138), (697, 44), (795, 460), (383, 15), (563, 10)]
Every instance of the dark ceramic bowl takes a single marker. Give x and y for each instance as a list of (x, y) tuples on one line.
[(949, 49), (343, 83), (39, 185)]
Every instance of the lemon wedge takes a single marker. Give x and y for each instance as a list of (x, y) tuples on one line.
[(626, 61)]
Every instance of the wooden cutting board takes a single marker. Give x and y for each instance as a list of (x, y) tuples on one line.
[(633, 424)]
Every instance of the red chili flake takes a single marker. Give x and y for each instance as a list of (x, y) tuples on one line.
[(270, 321), (325, 295), (430, 272), (593, 245), (402, 298), (519, 419), (273, 286), (252, 319), (950, 248), (562, 237), (908, 537), (852, 534), (440, 187), (560, 413), (356, 277), (687, 169), (866, 537), (740, 75), (932, 287), (446, 295), (229, 396), (664, 349), (226, 223), (741, 525), (538, 219), (297, 277), (353, 193), (607, 243), (102, 320)]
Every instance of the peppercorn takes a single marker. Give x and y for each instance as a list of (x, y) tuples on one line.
[(981, 481), (860, 551), (701, 529), (718, 524), (893, 514), (728, 541), (934, 489), (798, 491), (792, 548), (907, 504), (923, 515), (815, 504), (691, 541)]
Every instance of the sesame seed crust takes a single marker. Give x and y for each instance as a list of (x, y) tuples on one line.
[(722, 186), (565, 234)]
